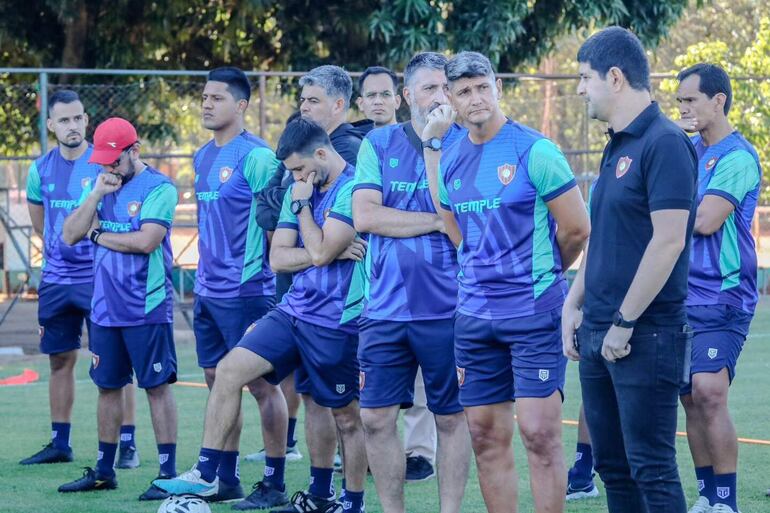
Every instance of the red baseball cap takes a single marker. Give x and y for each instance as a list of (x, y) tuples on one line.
[(111, 137)]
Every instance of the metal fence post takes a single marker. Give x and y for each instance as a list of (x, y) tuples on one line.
[(262, 113), (43, 112)]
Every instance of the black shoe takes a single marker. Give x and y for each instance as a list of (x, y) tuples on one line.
[(304, 502), (49, 454), (127, 458), (90, 481), (264, 495), (227, 493), (155, 493), (418, 468)]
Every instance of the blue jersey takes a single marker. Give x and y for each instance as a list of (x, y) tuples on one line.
[(332, 295), (60, 185), (403, 272), (233, 254), (723, 265), (510, 265), (131, 289)]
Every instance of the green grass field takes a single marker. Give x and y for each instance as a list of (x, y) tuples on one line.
[(24, 427)]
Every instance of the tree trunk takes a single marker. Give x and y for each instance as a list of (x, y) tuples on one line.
[(75, 25)]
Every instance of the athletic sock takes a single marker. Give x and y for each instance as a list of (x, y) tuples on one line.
[(127, 433), (105, 459), (60, 435), (167, 459), (582, 470), (726, 490), (706, 486), (290, 440), (321, 482), (353, 501), (208, 462), (228, 471), (274, 471)]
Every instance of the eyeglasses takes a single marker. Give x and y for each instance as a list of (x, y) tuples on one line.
[(120, 157)]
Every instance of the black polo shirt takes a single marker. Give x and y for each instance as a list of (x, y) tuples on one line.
[(650, 165)]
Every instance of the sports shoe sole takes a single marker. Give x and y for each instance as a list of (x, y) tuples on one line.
[(594, 492)]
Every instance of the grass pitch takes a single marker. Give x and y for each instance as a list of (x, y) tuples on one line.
[(24, 427)]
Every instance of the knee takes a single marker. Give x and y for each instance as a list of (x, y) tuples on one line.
[(62, 362), (377, 421), (158, 392), (447, 424), (709, 397), (486, 436), (262, 390), (348, 419), (542, 442), (227, 378)]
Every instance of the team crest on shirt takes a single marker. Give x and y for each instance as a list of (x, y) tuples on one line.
[(457, 184), (85, 182), (340, 388), (393, 162), (711, 163), (361, 380), (506, 172), (713, 351), (544, 374), (41, 331), (225, 173), (624, 164), (94, 361), (133, 208), (460, 376)]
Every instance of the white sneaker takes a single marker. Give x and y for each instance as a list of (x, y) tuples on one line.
[(189, 483), (701, 506), (722, 508), (292, 454)]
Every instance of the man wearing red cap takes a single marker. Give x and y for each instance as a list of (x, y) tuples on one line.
[(128, 215)]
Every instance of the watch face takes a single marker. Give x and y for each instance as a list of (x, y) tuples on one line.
[(435, 143)]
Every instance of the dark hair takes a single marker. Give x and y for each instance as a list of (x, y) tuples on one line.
[(619, 48), (62, 96), (377, 70), (430, 60), (301, 136), (713, 80), (468, 65), (236, 81)]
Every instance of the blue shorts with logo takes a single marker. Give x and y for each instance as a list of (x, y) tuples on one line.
[(390, 352), (60, 313), (502, 360), (118, 352), (219, 324), (719, 332), (327, 355)]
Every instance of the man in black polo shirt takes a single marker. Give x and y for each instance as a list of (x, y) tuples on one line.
[(628, 297)]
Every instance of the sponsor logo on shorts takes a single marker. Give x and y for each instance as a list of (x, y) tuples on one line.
[(701, 485), (361, 380), (133, 208), (225, 173), (94, 361), (460, 376), (269, 471), (713, 351), (624, 164), (162, 458), (157, 366), (41, 331), (544, 374), (506, 172), (723, 492), (711, 163), (340, 388)]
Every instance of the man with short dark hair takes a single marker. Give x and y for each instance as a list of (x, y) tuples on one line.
[(379, 100), (56, 184), (510, 203), (315, 326), (409, 259), (722, 281), (128, 216), (624, 317)]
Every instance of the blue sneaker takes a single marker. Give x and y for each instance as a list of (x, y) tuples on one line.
[(189, 483)]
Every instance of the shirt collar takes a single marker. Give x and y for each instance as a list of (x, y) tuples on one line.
[(638, 126)]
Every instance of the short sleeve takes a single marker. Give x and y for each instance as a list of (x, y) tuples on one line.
[(671, 170), (549, 170), (286, 219), (736, 175), (158, 207), (342, 209), (443, 194), (259, 166), (368, 170), (34, 192)]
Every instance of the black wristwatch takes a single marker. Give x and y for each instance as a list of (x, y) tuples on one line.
[(94, 235), (434, 143), (297, 206), (620, 322)]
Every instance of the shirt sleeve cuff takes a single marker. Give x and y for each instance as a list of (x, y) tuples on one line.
[(34, 201), (371, 186), (726, 195), (340, 217), (161, 222), (288, 226), (670, 204), (560, 190)]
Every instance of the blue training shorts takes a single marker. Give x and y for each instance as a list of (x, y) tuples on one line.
[(327, 355), (117, 352), (219, 324), (502, 360), (719, 332), (391, 351), (60, 313)]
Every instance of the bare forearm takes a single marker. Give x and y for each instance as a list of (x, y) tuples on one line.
[(80, 221), (570, 246), (577, 290), (289, 260), (432, 159), (654, 270), (392, 222), (313, 238), (130, 242)]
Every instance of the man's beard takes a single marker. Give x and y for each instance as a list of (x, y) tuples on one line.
[(71, 145), (124, 179)]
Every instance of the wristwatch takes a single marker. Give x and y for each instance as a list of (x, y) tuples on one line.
[(94, 235), (620, 322), (434, 143), (297, 206)]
